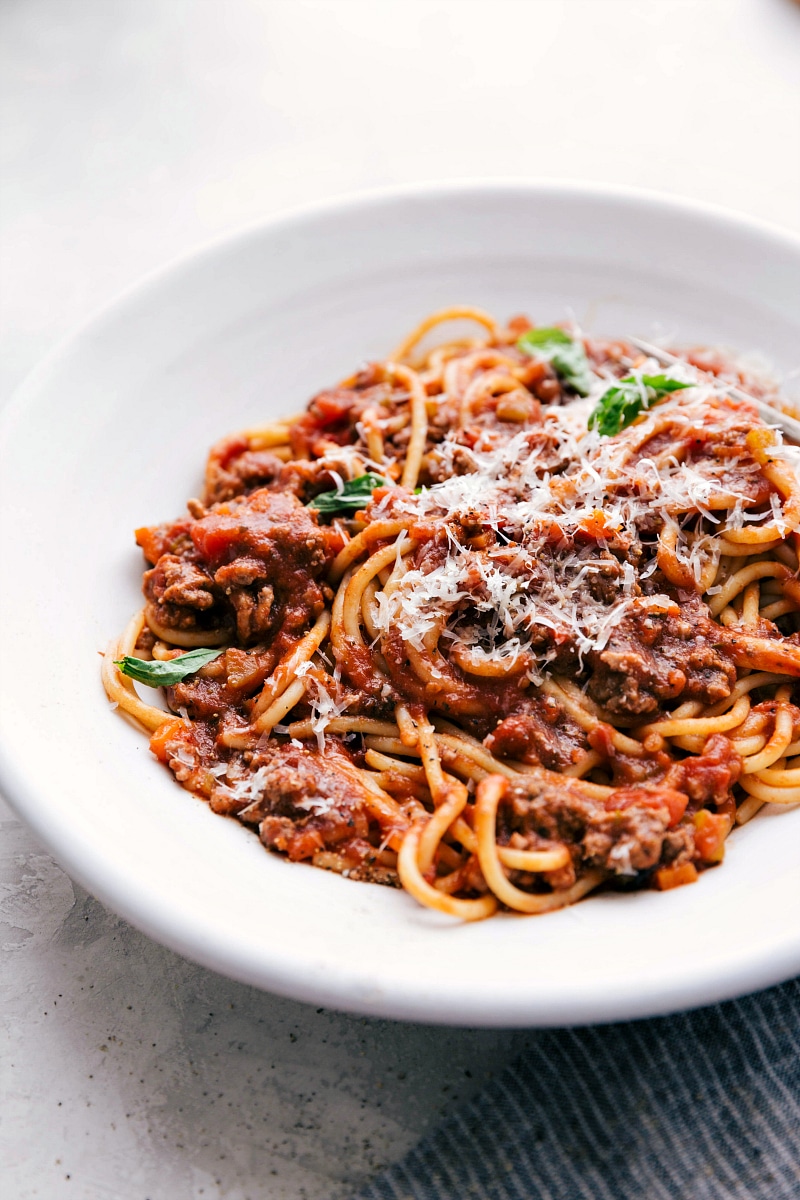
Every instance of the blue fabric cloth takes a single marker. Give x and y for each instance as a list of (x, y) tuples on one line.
[(699, 1106)]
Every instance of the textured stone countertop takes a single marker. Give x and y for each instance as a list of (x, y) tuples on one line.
[(134, 130)]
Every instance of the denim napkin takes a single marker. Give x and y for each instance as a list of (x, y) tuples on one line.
[(704, 1105)]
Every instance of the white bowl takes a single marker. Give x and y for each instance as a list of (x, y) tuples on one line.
[(111, 433)]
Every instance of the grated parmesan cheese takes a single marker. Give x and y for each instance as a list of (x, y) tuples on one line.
[(538, 490), (326, 707)]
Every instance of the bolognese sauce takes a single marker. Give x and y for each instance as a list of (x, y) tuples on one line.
[(501, 622)]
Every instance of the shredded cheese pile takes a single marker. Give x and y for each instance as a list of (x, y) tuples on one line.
[(568, 505)]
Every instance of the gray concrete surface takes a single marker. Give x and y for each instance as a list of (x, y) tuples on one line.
[(130, 1072)]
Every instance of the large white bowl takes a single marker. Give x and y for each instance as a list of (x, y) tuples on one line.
[(111, 433)]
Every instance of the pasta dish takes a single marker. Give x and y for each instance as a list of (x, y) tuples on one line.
[(500, 622)]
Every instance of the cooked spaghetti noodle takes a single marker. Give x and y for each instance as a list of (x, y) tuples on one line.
[(501, 622)]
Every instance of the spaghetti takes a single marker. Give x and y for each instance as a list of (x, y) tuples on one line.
[(502, 622)]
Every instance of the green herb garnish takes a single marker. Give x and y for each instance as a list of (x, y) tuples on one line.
[(621, 404), (565, 354), (354, 495), (167, 672)]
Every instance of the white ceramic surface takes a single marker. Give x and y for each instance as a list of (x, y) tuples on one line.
[(111, 433)]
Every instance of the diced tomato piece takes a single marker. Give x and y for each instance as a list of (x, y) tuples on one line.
[(151, 541), (304, 844), (216, 537), (422, 531), (165, 733), (672, 877), (156, 540), (596, 525), (300, 432), (229, 448), (601, 739), (329, 409), (334, 539), (710, 831), (519, 325), (653, 797)]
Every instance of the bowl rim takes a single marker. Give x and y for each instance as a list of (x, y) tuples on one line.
[(352, 201), (281, 974)]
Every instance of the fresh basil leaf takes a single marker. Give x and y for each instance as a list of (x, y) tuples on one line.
[(354, 495), (621, 404), (565, 354), (546, 335), (167, 672)]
